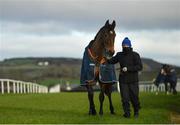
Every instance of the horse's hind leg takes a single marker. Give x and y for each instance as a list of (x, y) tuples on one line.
[(92, 110), (110, 100), (101, 100)]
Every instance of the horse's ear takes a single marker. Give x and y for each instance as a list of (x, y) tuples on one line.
[(107, 23), (113, 24)]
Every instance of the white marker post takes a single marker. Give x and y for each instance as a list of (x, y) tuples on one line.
[(14, 87), (31, 89), (24, 87), (28, 88), (17, 86), (21, 87), (8, 87), (2, 86), (36, 87)]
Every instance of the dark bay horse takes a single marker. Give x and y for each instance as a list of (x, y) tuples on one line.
[(167, 75), (93, 71)]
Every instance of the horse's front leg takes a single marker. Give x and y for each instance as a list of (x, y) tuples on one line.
[(92, 110), (101, 100), (109, 91)]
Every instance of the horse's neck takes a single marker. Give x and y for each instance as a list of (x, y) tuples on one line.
[(168, 71), (97, 50)]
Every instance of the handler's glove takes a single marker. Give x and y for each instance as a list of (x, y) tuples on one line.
[(124, 69)]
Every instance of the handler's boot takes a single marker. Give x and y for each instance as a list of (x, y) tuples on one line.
[(136, 114), (127, 115), (136, 111)]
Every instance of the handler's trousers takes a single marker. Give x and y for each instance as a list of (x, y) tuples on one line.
[(130, 93)]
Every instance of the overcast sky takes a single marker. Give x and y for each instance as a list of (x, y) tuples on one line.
[(63, 28)]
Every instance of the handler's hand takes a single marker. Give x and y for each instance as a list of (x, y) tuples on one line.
[(124, 69), (103, 60)]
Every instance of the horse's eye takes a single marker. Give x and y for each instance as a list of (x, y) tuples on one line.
[(111, 32)]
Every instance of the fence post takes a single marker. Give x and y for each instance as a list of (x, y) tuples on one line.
[(31, 88), (36, 88), (21, 88), (29, 84), (17, 86), (14, 86), (151, 88), (41, 89), (44, 89), (8, 88), (2, 86), (28, 88), (24, 86)]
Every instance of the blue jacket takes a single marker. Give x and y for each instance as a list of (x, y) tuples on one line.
[(106, 75), (171, 78)]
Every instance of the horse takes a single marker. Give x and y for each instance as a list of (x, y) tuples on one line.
[(167, 75), (92, 71)]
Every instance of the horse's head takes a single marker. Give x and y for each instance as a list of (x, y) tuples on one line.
[(105, 37), (167, 68)]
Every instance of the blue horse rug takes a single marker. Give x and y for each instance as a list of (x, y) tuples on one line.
[(106, 74)]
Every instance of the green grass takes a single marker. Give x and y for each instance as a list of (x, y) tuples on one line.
[(73, 108)]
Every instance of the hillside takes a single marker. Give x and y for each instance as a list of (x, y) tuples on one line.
[(50, 71)]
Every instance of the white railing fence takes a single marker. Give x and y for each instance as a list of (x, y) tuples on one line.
[(148, 86), (16, 86)]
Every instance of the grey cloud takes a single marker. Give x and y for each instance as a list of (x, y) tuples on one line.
[(149, 22), (88, 15), (50, 28)]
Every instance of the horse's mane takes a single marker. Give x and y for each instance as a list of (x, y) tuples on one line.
[(92, 41)]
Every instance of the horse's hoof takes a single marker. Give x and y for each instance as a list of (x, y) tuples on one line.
[(113, 113), (92, 112), (101, 113)]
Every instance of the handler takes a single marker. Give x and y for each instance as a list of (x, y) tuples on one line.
[(130, 64)]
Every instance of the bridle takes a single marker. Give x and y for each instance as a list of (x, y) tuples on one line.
[(94, 58)]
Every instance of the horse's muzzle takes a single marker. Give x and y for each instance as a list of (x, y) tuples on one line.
[(111, 53)]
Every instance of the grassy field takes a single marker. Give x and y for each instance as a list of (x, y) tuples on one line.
[(73, 108)]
